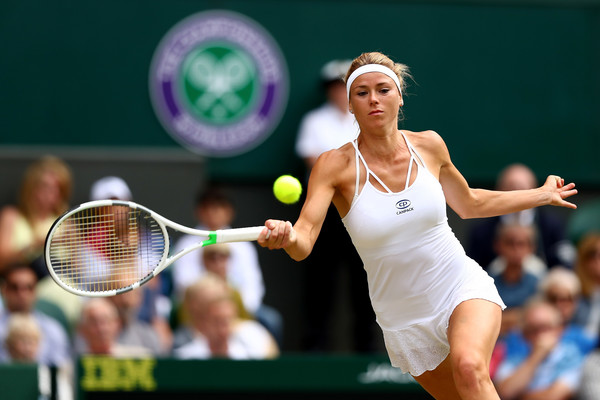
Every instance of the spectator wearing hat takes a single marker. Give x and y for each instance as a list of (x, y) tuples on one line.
[(110, 188), (325, 128)]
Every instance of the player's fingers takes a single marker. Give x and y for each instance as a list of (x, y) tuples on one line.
[(278, 235), (289, 232)]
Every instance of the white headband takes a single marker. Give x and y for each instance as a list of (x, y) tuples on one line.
[(372, 68)]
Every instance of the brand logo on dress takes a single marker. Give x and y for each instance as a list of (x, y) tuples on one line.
[(218, 83), (384, 373), (403, 206)]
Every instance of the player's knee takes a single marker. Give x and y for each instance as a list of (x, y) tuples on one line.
[(470, 371)]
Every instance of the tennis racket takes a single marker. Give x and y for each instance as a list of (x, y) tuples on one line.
[(106, 247)]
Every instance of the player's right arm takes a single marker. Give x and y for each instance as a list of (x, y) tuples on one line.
[(298, 240)]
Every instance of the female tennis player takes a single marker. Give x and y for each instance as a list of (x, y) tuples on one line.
[(439, 311)]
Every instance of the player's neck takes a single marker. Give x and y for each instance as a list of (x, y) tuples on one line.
[(382, 144)]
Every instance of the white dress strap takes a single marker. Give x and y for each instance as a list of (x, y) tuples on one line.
[(413, 152), (369, 172)]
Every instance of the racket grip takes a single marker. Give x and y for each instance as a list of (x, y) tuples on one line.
[(239, 234)]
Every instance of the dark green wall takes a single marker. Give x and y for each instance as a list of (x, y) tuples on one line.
[(501, 82)]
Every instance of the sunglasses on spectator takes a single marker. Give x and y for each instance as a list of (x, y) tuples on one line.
[(554, 298)]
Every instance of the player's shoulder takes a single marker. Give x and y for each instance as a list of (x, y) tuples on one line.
[(429, 140), (337, 157), (332, 164)]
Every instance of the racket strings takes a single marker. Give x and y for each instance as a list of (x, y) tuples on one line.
[(106, 248)]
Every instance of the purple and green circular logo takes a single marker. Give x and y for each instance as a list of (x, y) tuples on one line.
[(218, 83)]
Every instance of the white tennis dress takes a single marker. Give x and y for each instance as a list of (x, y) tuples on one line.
[(417, 270)]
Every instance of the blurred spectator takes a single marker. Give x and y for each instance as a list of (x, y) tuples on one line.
[(99, 329), (215, 329), (23, 338), (325, 128), (44, 195), (214, 210), (562, 288), (216, 260), (18, 293), (515, 245), (110, 188), (331, 125), (587, 268), (133, 330), (548, 368), (144, 314), (106, 188), (552, 245)]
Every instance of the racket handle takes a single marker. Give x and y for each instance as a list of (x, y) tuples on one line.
[(239, 234)]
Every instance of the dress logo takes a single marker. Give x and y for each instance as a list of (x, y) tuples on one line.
[(404, 206)]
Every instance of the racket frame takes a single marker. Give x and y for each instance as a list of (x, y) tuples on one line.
[(213, 237)]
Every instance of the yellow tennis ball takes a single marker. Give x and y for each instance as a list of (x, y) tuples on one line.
[(287, 189)]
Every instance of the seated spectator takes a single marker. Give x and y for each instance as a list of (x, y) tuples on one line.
[(552, 246), (135, 331), (549, 367), (23, 337), (99, 329), (216, 260), (22, 343), (587, 268), (214, 210), (43, 196), (18, 292), (562, 288), (515, 246), (216, 331)]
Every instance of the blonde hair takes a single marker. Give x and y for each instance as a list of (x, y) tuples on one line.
[(205, 290), (401, 70), (561, 277), (32, 177), (21, 324), (588, 245)]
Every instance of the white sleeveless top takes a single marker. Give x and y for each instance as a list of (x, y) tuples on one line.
[(413, 261)]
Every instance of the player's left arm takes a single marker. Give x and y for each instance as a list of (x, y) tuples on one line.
[(468, 202)]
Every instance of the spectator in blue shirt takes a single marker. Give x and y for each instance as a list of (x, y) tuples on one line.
[(516, 283), (548, 367)]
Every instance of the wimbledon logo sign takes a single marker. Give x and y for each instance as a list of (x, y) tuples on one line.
[(218, 83)]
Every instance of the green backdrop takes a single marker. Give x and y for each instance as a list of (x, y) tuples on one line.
[(501, 81)]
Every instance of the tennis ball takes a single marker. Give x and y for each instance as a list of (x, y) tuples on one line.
[(287, 189)]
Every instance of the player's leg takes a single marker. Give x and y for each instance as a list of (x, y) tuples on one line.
[(472, 334), (464, 374), (440, 382)]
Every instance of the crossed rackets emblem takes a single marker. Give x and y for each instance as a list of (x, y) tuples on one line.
[(219, 81)]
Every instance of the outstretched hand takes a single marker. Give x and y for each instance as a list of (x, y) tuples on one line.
[(277, 234), (555, 185)]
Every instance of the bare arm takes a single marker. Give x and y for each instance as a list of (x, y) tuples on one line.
[(8, 217), (299, 240), (480, 203), (516, 384), (556, 391)]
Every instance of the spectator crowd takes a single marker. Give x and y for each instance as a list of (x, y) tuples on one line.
[(209, 304)]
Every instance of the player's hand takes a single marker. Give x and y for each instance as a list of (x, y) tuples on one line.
[(277, 234), (555, 185)]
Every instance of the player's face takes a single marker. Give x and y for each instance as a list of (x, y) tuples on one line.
[(375, 100)]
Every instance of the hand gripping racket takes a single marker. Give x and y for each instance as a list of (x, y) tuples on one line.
[(106, 247)]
